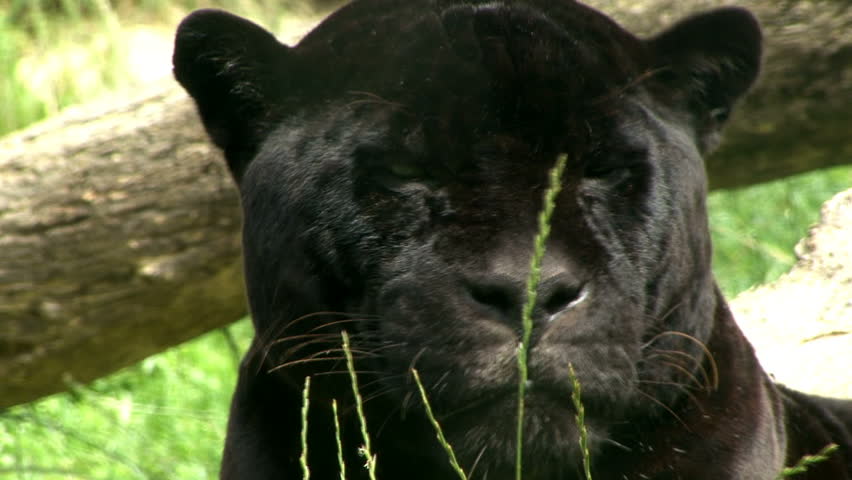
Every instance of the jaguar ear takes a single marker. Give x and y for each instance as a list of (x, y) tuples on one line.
[(234, 70), (705, 63)]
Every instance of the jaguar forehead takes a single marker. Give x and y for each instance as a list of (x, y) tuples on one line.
[(469, 46)]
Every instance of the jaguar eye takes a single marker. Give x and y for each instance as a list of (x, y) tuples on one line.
[(391, 170), (616, 167), (612, 172)]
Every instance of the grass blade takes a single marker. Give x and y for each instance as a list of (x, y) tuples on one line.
[(341, 464), (580, 417), (438, 430), (366, 450), (806, 461), (532, 286), (303, 458)]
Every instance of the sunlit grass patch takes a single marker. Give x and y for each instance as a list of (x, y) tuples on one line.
[(754, 229), (54, 54), (164, 417)]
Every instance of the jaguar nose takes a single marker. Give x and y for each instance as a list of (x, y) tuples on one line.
[(500, 295), (559, 293), (505, 297)]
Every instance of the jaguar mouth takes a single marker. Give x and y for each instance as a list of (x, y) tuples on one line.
[(556, 402)]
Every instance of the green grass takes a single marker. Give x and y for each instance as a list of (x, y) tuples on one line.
[(580, 419), (755, 229), (366, 449), (306, 403), (341, 464), (544, 217), (57, 53), (807, 461), (164, 418), (439, 432)]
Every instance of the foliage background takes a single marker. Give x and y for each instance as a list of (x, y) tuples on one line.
[(164, 418)]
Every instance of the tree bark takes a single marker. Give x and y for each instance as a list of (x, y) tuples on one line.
[(119, 239), (120, 224), (798, 118)]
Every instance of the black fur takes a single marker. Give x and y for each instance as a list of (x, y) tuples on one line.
[(391, 167)]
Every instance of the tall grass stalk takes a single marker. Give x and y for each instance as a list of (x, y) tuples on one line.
[(340, 463), (806, 461), (532, 286), (366, 450), (438, 430), (580, 417), (303, 458)]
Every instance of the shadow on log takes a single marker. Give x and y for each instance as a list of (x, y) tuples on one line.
[(120, 226)]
